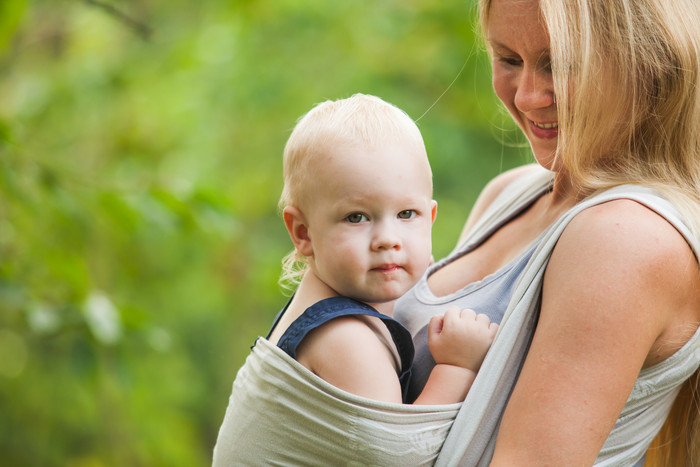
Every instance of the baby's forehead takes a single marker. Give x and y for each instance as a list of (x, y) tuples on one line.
[(401, 164), (376, 158), (342, 148)]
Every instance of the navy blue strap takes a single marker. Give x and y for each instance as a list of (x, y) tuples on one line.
[(323, 311)]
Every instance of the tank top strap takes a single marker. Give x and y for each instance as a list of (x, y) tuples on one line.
[(325, 310)]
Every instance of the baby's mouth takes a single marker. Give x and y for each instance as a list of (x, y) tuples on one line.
[(387, 268)]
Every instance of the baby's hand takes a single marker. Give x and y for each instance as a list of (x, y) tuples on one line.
[(460, 337)]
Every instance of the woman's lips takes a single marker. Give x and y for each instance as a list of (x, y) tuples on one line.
[(544, 130)]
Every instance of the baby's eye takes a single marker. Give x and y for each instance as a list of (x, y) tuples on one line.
[(356, 218), (407, 214)]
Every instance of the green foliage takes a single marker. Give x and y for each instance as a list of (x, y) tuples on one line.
[(140, 166)]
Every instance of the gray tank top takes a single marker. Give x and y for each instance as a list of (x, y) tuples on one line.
[(490, 296)]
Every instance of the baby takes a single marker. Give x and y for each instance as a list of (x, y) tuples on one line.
[(357, 203)]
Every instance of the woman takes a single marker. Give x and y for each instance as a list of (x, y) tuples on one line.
[(606, 92)]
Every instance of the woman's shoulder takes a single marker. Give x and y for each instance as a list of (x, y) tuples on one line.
[(628, 225), (494, 188), (628, 233), (633, 257), (625, 265)]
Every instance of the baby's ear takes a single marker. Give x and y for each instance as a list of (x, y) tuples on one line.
[(298, 230)]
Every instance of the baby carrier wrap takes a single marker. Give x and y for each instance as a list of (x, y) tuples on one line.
[(280, 413)]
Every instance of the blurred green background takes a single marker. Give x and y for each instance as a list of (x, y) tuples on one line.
[(140, 167)]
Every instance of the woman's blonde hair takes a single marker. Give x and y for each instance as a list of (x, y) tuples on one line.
[(626, 78), (360, 120), (678, 441)]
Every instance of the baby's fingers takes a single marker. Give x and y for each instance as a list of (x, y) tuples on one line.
[(435, 325), (468, 314), (493, 329), (486, 326), (451, 316)]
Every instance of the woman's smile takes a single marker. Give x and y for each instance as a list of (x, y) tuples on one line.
[(544, 130)]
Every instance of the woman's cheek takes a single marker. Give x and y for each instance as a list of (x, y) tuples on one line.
[(502, 85)]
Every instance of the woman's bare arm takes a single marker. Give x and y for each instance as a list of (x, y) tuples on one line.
[(621, 291)]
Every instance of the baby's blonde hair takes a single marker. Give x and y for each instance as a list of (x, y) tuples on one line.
[(361, 120)]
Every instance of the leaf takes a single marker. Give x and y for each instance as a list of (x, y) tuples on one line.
[(11, 12)]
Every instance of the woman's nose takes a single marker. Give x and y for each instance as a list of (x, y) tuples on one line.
[(535, 91)]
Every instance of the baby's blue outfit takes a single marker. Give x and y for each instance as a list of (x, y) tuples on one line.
[(325, 310)]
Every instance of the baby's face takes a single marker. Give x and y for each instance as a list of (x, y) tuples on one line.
[(370, 214)]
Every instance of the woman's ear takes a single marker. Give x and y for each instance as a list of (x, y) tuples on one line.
[(298, 230)]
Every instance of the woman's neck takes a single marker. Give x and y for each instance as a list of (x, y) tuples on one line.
[(563, 195)]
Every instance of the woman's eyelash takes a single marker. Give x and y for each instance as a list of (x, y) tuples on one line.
[(509, 60)]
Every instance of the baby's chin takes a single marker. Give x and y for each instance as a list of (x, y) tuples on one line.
[(381, 300)]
